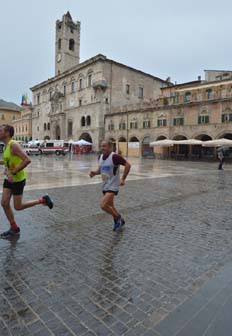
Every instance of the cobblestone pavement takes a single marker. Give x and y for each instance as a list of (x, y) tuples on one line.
[(69, 274)]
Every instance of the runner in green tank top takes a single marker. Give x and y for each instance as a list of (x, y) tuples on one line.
[(15, 161)]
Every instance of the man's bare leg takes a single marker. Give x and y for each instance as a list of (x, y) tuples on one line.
[(6, 198), (106, 205), (19, 205)]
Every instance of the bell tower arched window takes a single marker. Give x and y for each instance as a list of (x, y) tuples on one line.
[(88, 120), (59, 44), (71, 45), (83, 122)]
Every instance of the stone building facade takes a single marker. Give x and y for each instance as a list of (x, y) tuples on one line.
[(23, 125), (196, 110), (8, 112), (73, 104)]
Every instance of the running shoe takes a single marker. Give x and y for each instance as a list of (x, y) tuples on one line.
[(48, 201), (10, 234), (118, 223)]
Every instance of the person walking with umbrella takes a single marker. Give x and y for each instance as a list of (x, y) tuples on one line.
[(221, 159)]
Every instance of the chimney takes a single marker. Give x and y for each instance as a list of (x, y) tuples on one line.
[(199, 78)]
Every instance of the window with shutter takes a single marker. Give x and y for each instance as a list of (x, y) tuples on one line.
[(174, 122), (206, 119), (223, 118), (199, 120)]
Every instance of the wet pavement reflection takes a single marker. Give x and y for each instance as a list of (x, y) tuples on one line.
[(70, 274)]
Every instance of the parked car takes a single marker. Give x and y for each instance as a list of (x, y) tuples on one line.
[(58, 147), (31, 150)]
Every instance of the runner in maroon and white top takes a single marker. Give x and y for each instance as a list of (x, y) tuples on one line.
[(109, 169)]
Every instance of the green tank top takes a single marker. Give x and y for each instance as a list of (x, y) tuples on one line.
[(12, 161)]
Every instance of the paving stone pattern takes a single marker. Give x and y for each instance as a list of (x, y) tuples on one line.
[(69, 274)]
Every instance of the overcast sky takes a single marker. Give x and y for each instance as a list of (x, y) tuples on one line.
[(177, 38)]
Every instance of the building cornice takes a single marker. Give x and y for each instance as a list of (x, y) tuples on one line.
[(97, 58)]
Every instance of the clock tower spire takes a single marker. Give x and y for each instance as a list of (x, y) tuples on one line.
[(67, 44)]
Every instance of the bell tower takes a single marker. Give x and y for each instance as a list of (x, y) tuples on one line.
[(67, 44)]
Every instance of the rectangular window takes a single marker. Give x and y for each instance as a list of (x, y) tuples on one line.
[(176, 98), (50, 95), (128, 89), (111, 127), (226, 118), (38, 98), (203, 120), (64, 90), (89, 80), (141, 92), (178, 121), (133, 125), (72, 87), (122, 126), (146, 124), (80, 102), (209, 94), (81, 84), (161, 122), (70, 128)]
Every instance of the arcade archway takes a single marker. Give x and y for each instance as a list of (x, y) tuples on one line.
[(57, 132), (134, 147), (180, 151), (147, 151), (122, 146), (86, 137), (200, 152)]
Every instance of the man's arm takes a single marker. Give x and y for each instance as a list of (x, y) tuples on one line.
[(95, 172), (118, 160), (17, 150), (127, 167)]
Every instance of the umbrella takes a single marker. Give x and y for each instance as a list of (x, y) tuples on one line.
[(82, 142), (188, 142), (162, 143), (218, 143)]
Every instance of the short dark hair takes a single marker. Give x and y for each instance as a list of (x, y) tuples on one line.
[(108, 142), (10, 129)]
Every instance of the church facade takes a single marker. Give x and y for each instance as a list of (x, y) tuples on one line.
[(73, 104)]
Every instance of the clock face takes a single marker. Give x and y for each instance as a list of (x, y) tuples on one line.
[(59, 57)]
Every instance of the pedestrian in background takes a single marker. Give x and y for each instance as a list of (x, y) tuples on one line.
[(221, 159)]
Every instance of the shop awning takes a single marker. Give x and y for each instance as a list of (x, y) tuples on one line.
[(188, 142), (162, 143), (217, 143)]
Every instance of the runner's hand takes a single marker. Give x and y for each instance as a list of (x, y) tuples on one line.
[(92, 174), (122, 182), (10, 178)]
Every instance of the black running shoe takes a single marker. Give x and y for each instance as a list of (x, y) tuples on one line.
[(10, 234), (48, 201), (118, 223)]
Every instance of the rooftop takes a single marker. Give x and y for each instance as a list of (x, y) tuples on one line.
[(9, 106), (88, 62)]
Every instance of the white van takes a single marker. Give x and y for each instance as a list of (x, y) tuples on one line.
[(57, 147)]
